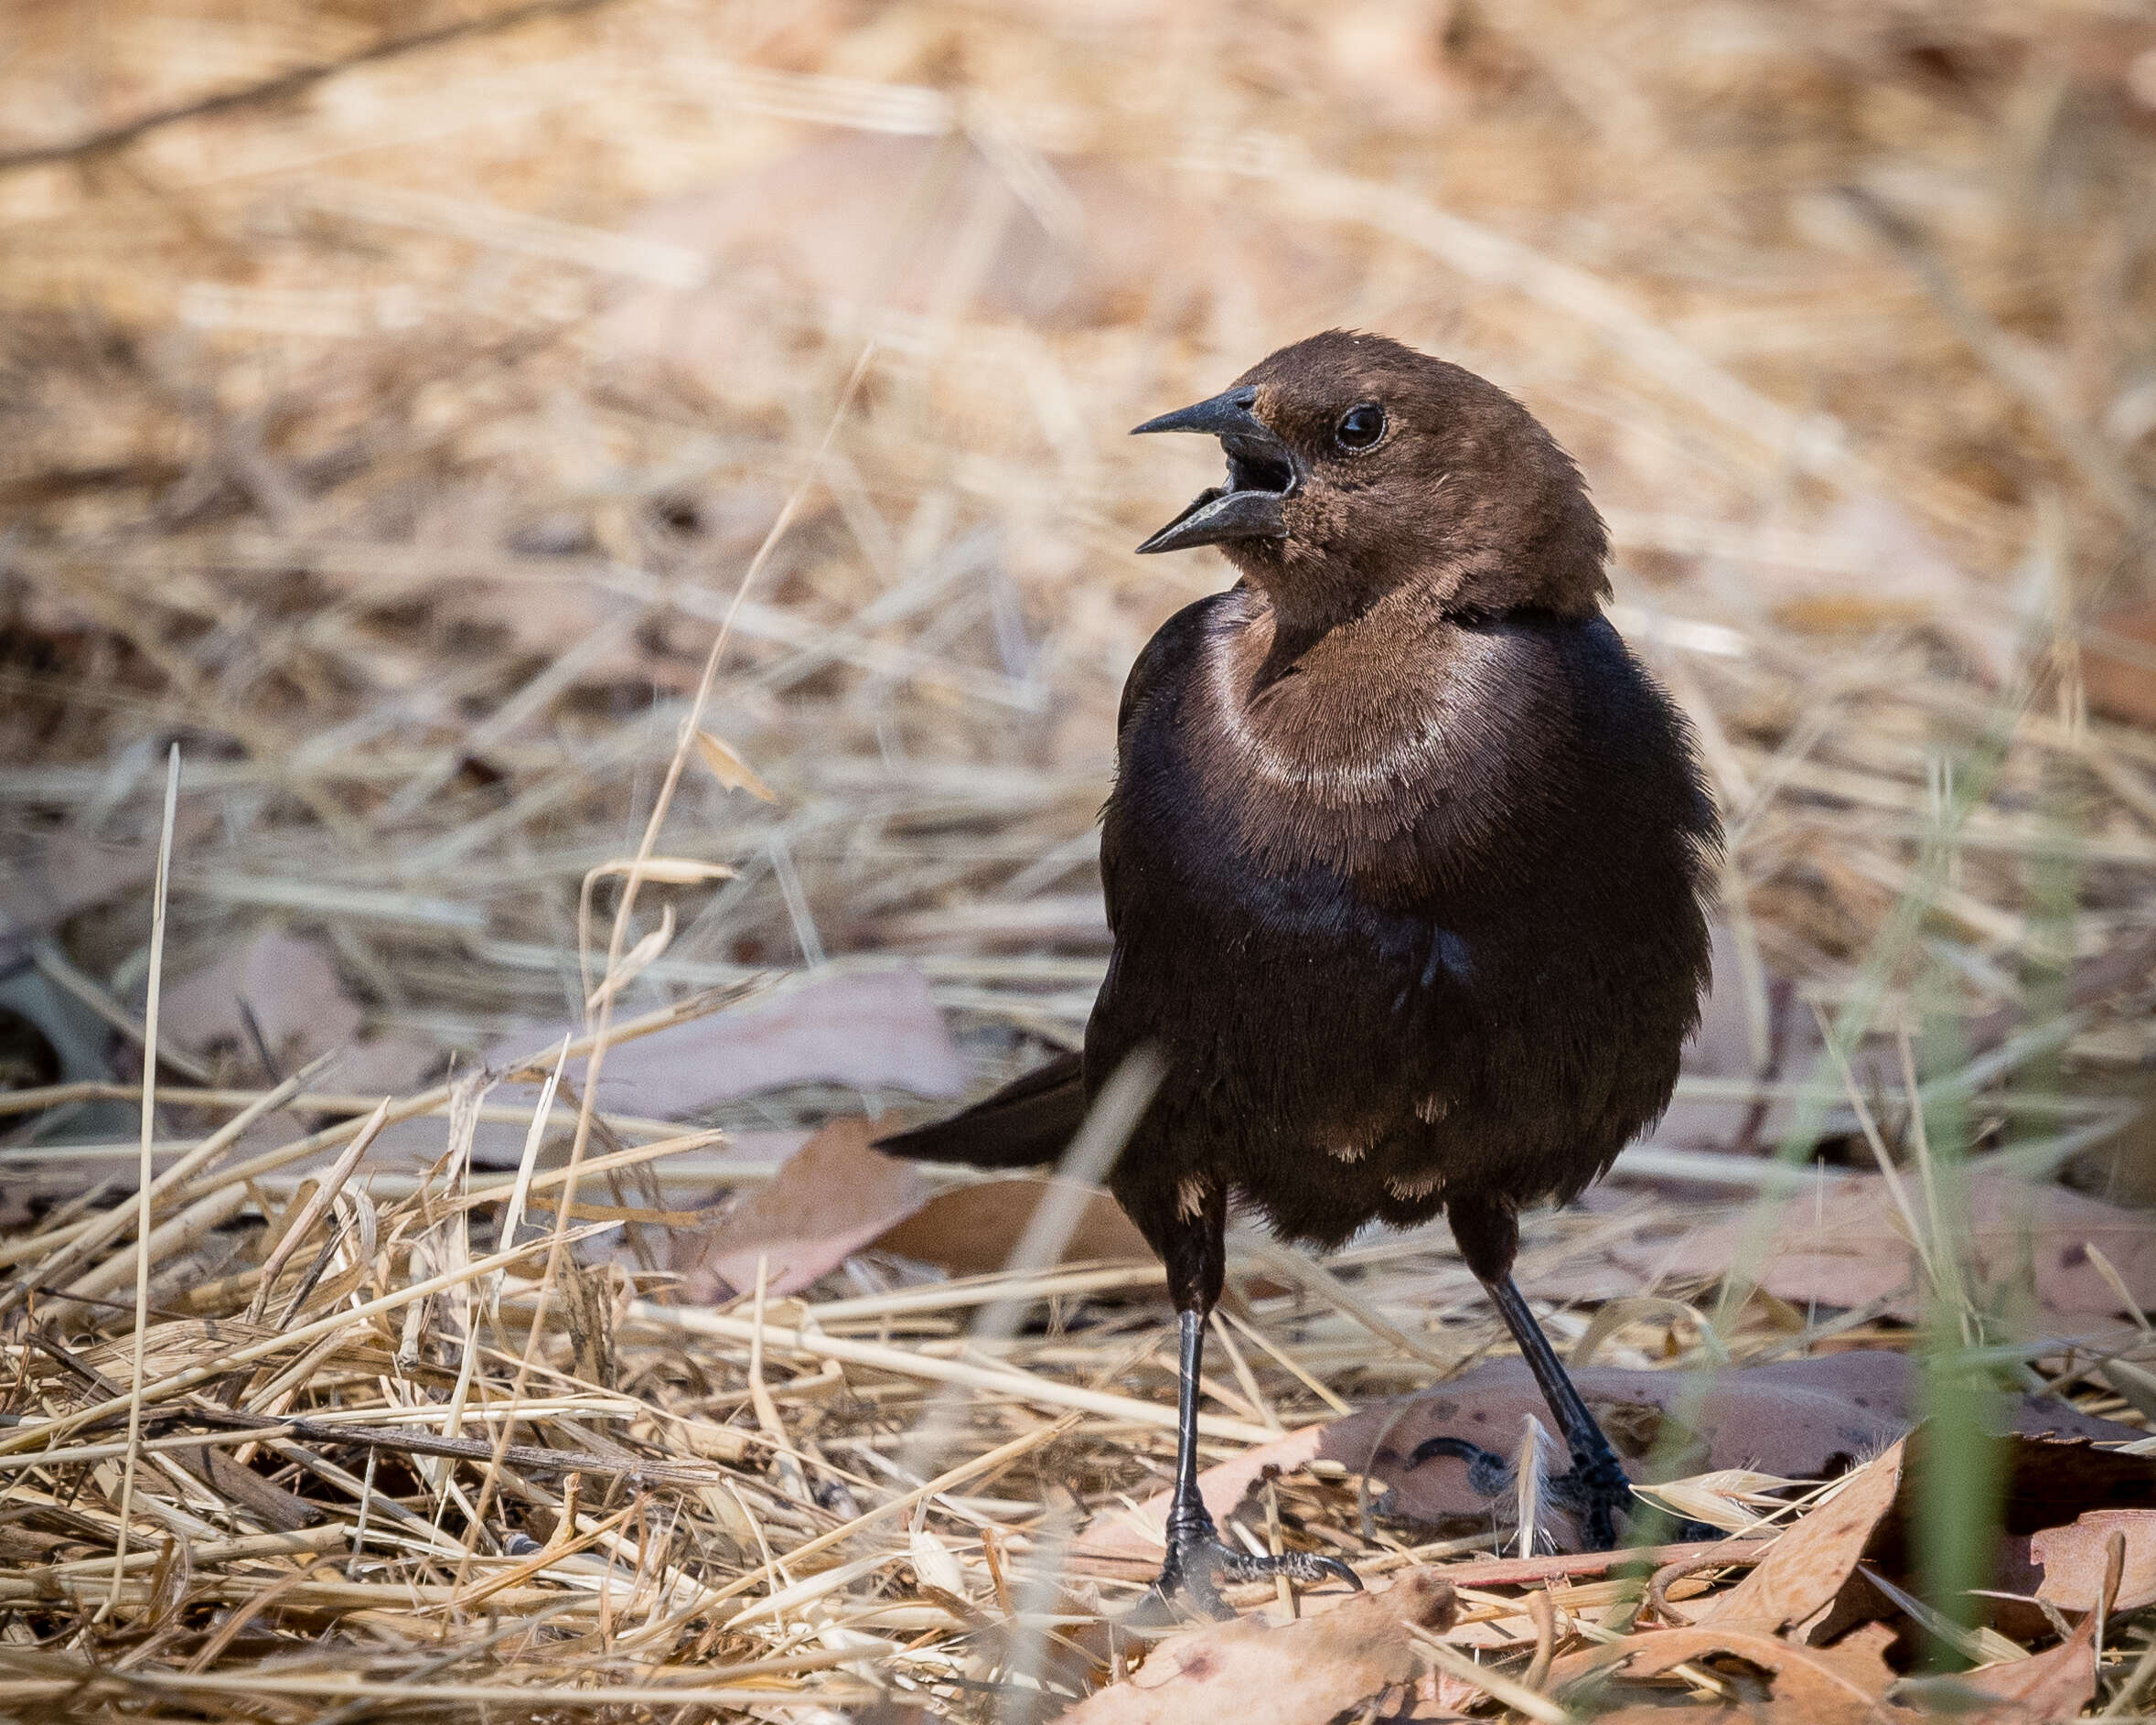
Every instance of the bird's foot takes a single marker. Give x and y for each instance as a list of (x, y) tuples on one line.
[(1200, 1563), (1600, 1499), (1595, 1493), (1597, 1496)]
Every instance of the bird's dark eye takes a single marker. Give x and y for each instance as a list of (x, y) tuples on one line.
[(1360, 427)]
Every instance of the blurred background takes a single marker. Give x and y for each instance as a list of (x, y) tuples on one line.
[(394, 397)]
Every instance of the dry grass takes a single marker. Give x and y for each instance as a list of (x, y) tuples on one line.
[(430, 445)]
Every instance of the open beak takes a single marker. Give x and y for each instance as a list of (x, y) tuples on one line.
[(1262, 476)]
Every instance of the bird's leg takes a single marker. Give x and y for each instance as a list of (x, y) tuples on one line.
[(1596, 1489), (1199, 1560)]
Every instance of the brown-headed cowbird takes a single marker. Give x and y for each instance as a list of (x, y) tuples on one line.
[(1405, 862)]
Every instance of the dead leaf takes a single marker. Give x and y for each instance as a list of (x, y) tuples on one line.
[(1799, 1418), (1806, 1419), (835, 1196), (1842, 1685), (1804, 1570), (667, 871), (866, 1030), (973, 1229), (2073, 1560), (290, 986), (2120, 687), (2049, 1479), (729, 768), (635, 960), (2045, 1688), (1845, 1246), (386, 1065), (1256, 1673), (73, 871)]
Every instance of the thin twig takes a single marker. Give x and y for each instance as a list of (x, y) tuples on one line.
[(285, 85), (145, 1198)]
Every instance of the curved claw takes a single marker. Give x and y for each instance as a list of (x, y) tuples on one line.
[(1306, 1568), (1198, 1565), (1488, 1471)]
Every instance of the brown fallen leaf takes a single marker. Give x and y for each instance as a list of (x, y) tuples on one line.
[(2120, 687), (71, 871), (1809, 1418), (1805, 1569), (974, 1230), (866, 1030), (300, 1007), (1252, 1672), (2073, 1560), (1798, 1419), (291, 987), (1847, 1247), (2047, 1479), (2048, 1687), (833, 1197), (1842, 1685)]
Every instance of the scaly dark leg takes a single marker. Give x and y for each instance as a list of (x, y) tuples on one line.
[(1595, 1492), (1199, 1560)]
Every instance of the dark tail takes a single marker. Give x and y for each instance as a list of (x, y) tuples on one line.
[(1024, 1124)]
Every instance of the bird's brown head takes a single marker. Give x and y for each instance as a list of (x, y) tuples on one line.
[(1356, 466)]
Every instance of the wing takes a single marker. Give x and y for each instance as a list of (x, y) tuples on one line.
[(1157, 673), (1032, 1120)]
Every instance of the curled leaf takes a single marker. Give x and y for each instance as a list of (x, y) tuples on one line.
[(1842, 1685), (667, 871), (1256, 1673), (934, 1565), (729, 768), (634, 960), (1809, 1565)]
